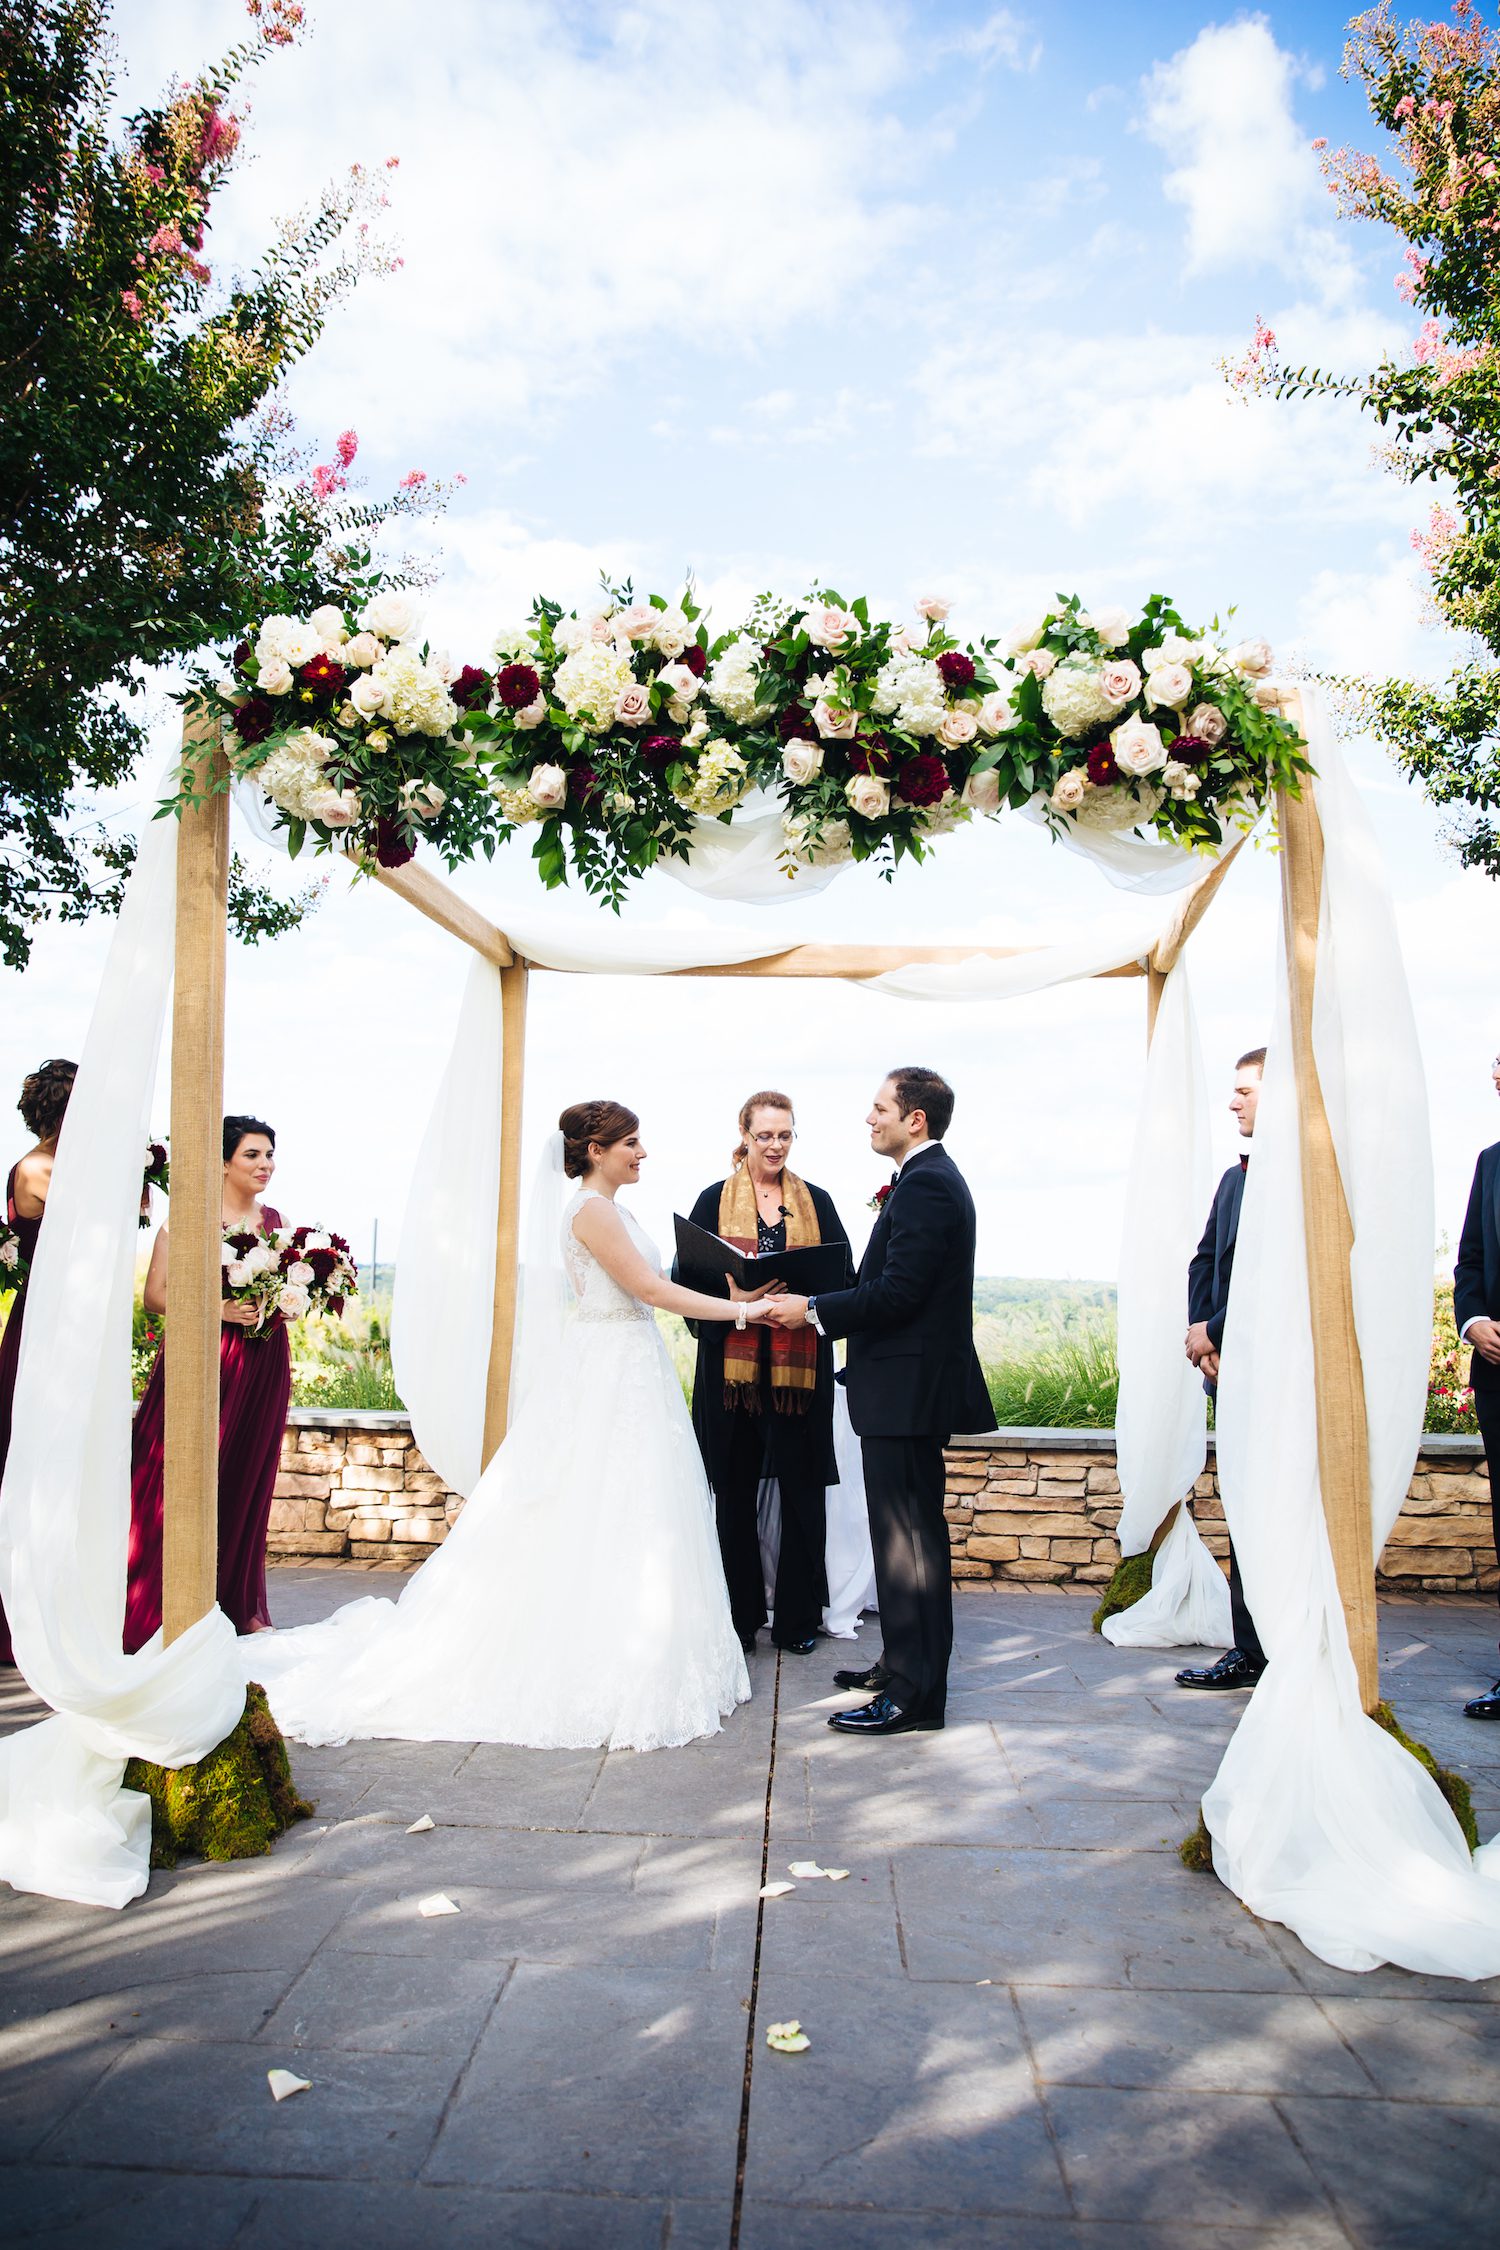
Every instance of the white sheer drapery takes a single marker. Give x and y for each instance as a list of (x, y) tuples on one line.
[(1319, 1818), (67, 1827)]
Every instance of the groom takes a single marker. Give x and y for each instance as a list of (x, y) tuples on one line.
[(913, 1379)]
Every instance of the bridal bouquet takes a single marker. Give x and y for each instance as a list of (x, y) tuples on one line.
[(157, 1174), (13, 1267), (287, 1272), (596, 732), (347, 720)]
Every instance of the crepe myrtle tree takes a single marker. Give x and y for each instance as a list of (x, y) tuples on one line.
[(148, 499), (1435, 88)]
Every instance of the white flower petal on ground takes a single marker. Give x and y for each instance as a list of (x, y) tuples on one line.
[(420, 1827), (775, 1890), (787, 2038), (438, 1903), (284, 2083)]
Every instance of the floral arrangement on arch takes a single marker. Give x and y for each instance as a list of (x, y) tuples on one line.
[(13, 1267), (611, 731), (287, 1272)]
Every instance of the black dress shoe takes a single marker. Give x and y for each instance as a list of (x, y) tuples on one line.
[(747, 1643), (799, 1648), (1485, 1706), (872, 1681), (882, 1717), (1233, 1670)]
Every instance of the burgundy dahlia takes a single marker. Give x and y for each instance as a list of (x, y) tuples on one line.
[(956, 668), (322, 673), (695, 658), (659, 751), (584, 786), (923, 780), (471, 690), (391, 847), (1103, 771), (517, 686), (1191, 749), (254, 719), (870, 753), (795, 723), (242, 656)]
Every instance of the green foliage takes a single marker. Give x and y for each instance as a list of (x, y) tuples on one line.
[(1197, 1851), (1435, 89), (1064, 1386), (234, 1803), (1455, 1789), (133, 473), (345, 1362), (1450, 1402), (1131, 1581)]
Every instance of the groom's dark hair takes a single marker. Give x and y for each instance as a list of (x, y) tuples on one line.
[(918, 1088)]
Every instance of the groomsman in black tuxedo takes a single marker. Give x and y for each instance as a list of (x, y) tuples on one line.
[(1476, 1310), (913, 1378), (1208, 1301)]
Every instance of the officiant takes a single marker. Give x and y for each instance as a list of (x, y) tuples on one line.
[(763, 1397)]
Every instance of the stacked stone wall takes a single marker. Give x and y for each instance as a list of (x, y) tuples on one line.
[(1026, 1508)]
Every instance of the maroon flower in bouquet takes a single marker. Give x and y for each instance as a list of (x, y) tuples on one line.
[(471, 690), (923, 780), (1103, 771), (323, 675), (517, 685), (659, 751), (871, 753), (956, 668), (391, 846), (255, 719), (242, 656), (695, 657), (585, 787), (797, 724), (1191, 749)]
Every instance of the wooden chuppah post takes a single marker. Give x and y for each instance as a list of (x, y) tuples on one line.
[(1338, 1373), (190, 1481), (513, 984)]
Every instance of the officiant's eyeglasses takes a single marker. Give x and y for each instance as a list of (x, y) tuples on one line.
[(770, 1140)]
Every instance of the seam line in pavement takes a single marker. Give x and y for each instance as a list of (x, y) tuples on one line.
[(743, 2146)]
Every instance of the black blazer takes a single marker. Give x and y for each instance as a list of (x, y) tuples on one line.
[(912, 1368), (1476, 1277), (1212, 1264), (711, 1417)]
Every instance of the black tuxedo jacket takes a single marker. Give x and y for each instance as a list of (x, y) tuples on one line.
[(1213, 1261), (912, 1369), (1476, 1277)]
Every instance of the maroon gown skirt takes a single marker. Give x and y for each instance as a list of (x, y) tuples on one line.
[(255, 1386), (10, 1354)]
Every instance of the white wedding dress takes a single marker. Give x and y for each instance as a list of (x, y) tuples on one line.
[(578, 1601)]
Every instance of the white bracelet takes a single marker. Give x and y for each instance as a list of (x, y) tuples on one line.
[(740, 1314)]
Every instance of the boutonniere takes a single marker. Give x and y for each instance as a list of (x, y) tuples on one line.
[(877, 1200)]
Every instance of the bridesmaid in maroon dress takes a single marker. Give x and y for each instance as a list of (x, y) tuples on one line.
[(255, 1385), (44, 1099)]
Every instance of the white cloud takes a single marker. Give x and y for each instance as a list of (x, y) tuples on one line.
[(1001, 39), (1242, 168)]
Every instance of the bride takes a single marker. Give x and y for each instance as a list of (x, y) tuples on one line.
[(579, 1599)]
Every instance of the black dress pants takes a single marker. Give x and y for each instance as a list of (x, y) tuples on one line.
[(769, 1444), (914, 1586), (1487, 1408), (1246, 1638)]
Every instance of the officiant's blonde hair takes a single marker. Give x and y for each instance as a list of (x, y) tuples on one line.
[(765, 1099)]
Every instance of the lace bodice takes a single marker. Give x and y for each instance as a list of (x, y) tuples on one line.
[(599, 1296)]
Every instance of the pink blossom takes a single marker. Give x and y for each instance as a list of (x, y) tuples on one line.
[(412, 478), (391, 163), (132, 304), (1406, 107), (1321, 142), (346, 445), (219, 138), (326, 481), (165, 238)]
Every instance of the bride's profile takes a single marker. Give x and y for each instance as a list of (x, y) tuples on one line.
[(579, 1600)]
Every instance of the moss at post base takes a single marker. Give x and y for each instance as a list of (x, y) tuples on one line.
[(1455, 1790), (234, 1803), (1197, 1851), (1131, 1581)]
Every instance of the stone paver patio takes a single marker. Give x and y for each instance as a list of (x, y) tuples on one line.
[(1030, 2026)]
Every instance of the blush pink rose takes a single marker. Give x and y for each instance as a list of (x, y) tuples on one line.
[(1120, 679), (637, 623), (933, 607), (955, 728), (1208, 723), (1169, 685), (982, 791), (275, 676), (1038, 660), (1138, 747), (681, 684), (995, 713), (362, 651), (869, 796), (533, 714), (834, 721), (1253, 657), (831, 628), (548, 787), (802, 761), (633, 708), (1069, 792)]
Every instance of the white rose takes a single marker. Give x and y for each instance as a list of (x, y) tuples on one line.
[(671, 625), (668, 644), (982, 791), (681, 684), (1138, 747), (868, 795), (288, 638), (818, 841), (830, 628), (1208, 723), (533, 714), (334, 807), (328, 624), (956, 728), (995, 715), (362, 651), (568, 634), (424, 799), (634, 706), (317, 1242), (1069, 792), (1039, 660), (1112, 626), (637, 623), (300, 1274), (226, 1256), (1253, 657), (291, 1302), (933, 607), (801, 761), (1023, 638), (369, 697), (393, 615), (548, 786), (275, 676), (236, 1273), (1181, 781), (1120, 680), (1169, 686), (835, 721)]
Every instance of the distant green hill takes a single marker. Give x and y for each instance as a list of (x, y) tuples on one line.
[(1016, 1317)]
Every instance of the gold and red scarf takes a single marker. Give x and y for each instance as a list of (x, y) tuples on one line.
[(793, 1352)]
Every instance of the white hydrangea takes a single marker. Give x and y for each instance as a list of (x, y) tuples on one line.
[(516, 802), (1074, 698), (720, 780), (942, 818), (288, 638), (590, 682), (295, 776), (511, 642), (825, 844), (414, 696), (733, 681), (1118, 808), (910, 688)]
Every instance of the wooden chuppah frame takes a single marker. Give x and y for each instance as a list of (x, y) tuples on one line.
[(190, 1497)]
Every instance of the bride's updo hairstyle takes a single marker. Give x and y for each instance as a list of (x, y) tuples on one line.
[(44, 1097), (237, 1129), (763, 1100), (603, 1123)]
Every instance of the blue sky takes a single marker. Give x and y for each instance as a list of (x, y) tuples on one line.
[(898, 298)]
